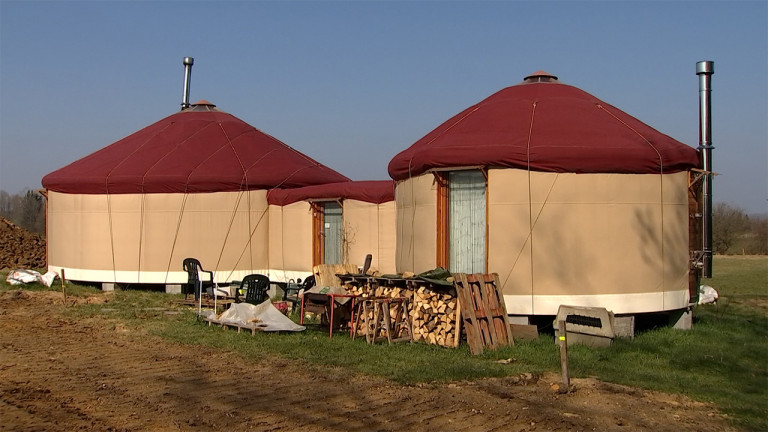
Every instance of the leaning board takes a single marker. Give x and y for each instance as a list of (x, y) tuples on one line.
[(483, 311)]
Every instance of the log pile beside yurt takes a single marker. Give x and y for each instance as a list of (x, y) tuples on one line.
[(433, 314), (569, 199), (193, 184)]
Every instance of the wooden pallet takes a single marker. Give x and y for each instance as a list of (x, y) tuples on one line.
[(483, 311), (253, 327)]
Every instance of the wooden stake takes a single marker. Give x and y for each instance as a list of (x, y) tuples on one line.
[(564, 354), (63, 290)]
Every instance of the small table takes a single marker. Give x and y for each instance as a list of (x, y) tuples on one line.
[(352, 309), (333, 298)]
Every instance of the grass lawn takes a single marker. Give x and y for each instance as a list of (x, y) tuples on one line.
[(723, 360)]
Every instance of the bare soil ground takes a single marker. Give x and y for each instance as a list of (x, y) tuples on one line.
[(57, 374)]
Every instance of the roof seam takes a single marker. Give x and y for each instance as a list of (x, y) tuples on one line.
[(237, 155), (106, 177), (475, 108), (661, 159), (157, 162)]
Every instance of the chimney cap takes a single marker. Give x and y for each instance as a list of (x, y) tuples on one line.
[(201, 105), (705, 67), (540, 76)]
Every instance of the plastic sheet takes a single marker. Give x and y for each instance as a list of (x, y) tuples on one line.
[(18, 277), (266, 316), (707, 294)]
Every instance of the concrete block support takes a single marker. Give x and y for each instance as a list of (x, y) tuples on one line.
[(108, 286), (624, 326), (173, 288), (681, 319), (518, 319)]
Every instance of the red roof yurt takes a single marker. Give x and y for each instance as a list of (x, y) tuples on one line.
[(193, 184), (571, 200)]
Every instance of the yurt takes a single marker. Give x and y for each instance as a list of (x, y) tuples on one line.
[(193, 184), (569, 199), (334, 223)]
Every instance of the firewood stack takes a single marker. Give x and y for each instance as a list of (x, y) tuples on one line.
[(435, 315)]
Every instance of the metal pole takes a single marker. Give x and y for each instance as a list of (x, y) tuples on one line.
[(188, 62), (705, 69)]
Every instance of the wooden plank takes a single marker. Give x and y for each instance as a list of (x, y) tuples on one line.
[(564, 354), (467, 303), (325, 274), (500, 317), (457, 335), (490, 337)]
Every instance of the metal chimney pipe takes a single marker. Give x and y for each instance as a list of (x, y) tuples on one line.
[(188, 62), (705, 69)]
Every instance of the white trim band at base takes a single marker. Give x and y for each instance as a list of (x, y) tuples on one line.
[(616, 303), (172, 277)]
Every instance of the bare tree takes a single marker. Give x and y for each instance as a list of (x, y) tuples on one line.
[(26, 211), (6, 205), (728, 224), (759, 232)]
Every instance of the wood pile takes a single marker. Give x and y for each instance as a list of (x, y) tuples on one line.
[(19, 248), (434, 315)]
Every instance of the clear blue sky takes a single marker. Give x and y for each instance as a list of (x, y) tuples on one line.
[(353, 83)]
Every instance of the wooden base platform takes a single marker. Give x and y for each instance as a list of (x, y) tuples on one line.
[(253, 327)]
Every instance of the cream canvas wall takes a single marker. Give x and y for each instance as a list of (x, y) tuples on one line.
[(370, 229), (135, 238), (290, 241), (416, 224), (613, 240), (143, 238)]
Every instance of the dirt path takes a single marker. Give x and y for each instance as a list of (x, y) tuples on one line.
[(63, 375)]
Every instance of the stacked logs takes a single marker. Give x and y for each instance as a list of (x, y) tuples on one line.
[(434, 316)]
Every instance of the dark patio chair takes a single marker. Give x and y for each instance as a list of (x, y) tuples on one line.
[(292, 291), (256, 287), (194, 282)]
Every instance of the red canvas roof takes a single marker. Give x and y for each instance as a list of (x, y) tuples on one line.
[(543, 125), (200, 149), (376, 192)]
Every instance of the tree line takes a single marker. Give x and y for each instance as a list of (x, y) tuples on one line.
[(26, 210), (733, 231)]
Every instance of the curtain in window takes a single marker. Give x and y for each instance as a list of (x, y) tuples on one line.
[(466, 221), (332, 230)]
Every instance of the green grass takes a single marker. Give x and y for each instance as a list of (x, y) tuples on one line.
[(723, 360)]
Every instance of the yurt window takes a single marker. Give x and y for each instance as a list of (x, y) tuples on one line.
[(328, 233), (464, 224)]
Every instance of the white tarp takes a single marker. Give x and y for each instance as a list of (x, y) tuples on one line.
[(707, 294), (265, 316), (18, 277)]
